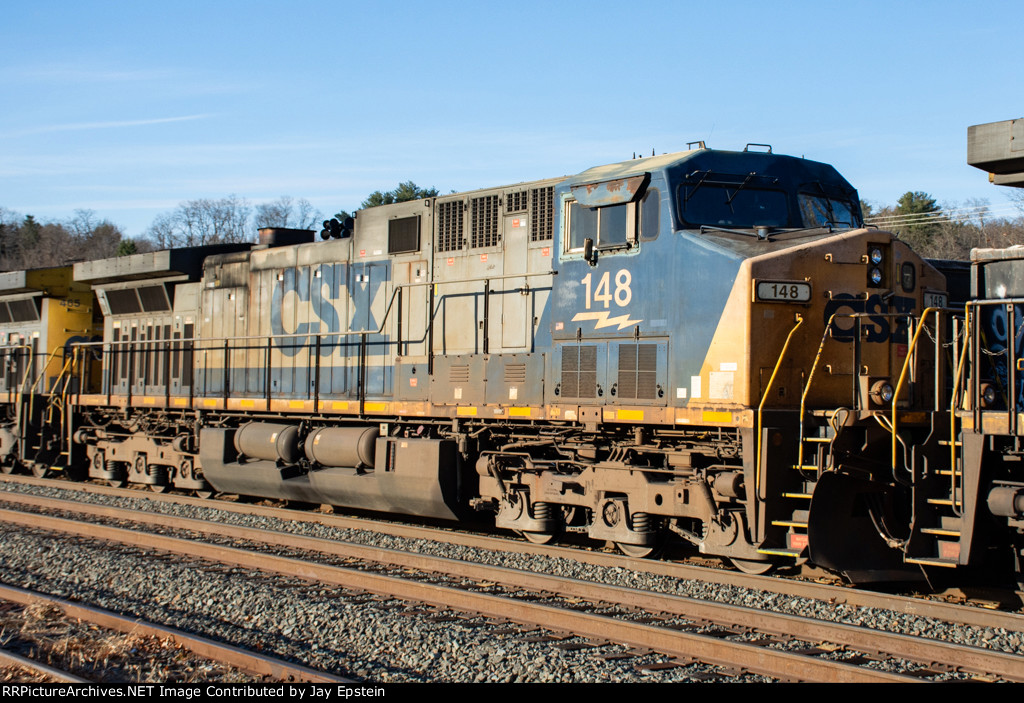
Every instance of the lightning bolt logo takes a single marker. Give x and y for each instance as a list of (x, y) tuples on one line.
[(603, 320)]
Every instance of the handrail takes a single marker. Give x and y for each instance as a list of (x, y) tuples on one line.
[(814, 366), (42, 374), (207, 345), (303, 335), (957, 381), (764, 399), (807, 388), (903, 373)]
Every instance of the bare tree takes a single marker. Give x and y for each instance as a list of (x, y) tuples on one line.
[(94, 239), (286, 212), (204, 221)]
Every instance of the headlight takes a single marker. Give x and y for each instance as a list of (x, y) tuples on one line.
[(876, 276), (988, 395), (881, 392), (875, 256)]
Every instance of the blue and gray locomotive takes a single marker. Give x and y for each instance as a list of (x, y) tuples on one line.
[(706, 344)]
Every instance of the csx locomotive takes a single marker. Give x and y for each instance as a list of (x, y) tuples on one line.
[(705, 344)]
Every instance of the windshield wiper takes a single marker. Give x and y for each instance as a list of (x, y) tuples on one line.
[(728, 201), (826, 225), (761, 232), (697, 185)]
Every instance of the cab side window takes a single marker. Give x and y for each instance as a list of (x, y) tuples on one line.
[(611, 226)]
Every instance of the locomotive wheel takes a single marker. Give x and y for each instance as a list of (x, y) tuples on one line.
[(158, 487), (117, 484), (637, 551), (40, 470), (204, 494), (538, 537), (9, 465), (754, 568)]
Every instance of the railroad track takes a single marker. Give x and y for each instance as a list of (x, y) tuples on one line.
[(74, 649), (987, 615), (733, 639)]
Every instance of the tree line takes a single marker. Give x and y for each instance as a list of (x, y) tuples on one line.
[(948, 231), (26, 242)]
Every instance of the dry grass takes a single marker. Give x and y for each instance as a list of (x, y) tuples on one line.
[(44, 634)]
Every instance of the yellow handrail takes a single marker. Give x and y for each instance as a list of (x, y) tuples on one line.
[(903, 374), (807, 388), (764, 399)]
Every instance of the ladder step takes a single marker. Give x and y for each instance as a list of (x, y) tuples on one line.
[(795, 553), (941, 501), (933, 561), (947, 472), (790, 523), (941, 532), (946, 443), (805, 468), (823, 440), (799, 496)]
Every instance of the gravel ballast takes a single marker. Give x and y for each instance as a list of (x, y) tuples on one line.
[(375, 641)]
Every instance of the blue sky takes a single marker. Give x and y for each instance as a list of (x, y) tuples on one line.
[(129, 108)]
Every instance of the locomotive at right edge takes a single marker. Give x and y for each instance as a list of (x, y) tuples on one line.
[(706, 345)]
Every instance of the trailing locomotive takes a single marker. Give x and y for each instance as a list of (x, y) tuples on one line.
[(43, 313), (707, 344)]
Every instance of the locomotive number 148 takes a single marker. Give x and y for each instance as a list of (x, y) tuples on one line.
[(602, 291)]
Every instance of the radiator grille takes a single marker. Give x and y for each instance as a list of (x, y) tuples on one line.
[(404, 235), (638, 371), (485, 222), (154, 298), (449, 226), (542, 214), (123, 302), (517, 202), (579, 372)]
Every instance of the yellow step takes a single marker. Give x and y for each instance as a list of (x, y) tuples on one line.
[(947, 563), (781, 552), (940, 531)]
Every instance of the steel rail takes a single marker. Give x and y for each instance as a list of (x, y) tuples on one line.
[(977, 660), (774, 663), (251, 662), (837, 595), (12, 659)]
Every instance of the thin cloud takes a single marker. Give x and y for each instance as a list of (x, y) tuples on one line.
[(66, 73), (79, 126)]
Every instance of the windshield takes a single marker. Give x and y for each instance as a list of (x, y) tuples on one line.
[(727, 205), (818, 210)]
